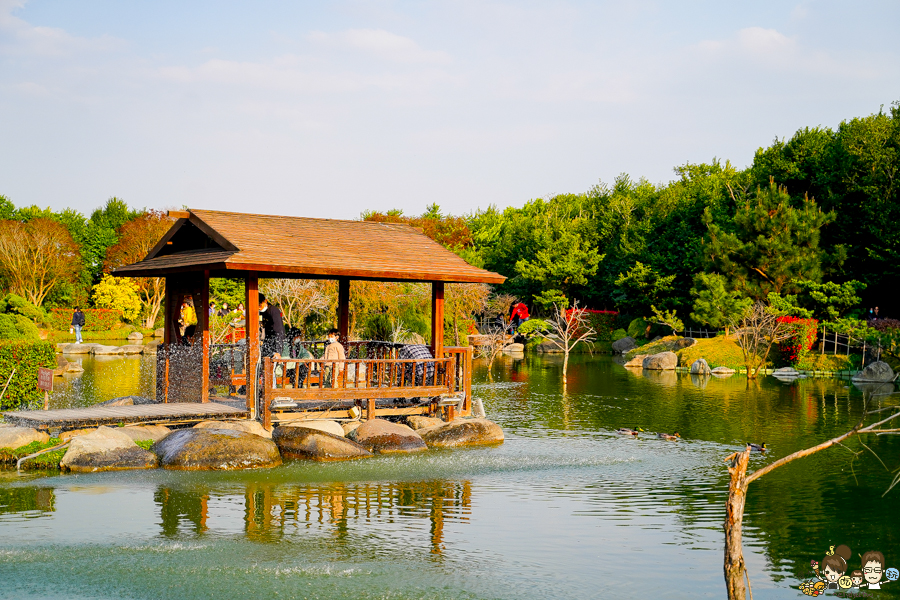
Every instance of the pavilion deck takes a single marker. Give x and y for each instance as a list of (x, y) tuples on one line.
[(175, 413)]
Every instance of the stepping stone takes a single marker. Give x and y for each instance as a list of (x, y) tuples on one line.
[(200, 449), (383, 437), (315, 444), (462, 432)]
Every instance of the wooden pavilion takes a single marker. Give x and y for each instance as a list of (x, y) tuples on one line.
[(204, 244)]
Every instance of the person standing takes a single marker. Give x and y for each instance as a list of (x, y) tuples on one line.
[(77, 323), (272, 324)]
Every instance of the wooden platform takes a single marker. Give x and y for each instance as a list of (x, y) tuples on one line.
[(94, 416)]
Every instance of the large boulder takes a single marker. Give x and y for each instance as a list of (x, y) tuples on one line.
[(315, 444), (547, 347), (132, 349), (247, 426), (106, 449), (78, 348), (74, 367), (128, 401), (135, 336), (421, 422), (215, 449), (384, 437), (16, 437), (151, 348), (350, 428), (159, 332), (877, 372), (462, 432), (637, 361), (722, 372), (101, 350), (682, 343), (145, 432), (664, 361), (700, 367), (514, 348), (624, 345), (332, 427)]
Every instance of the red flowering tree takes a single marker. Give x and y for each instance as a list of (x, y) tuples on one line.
[(802, 336)]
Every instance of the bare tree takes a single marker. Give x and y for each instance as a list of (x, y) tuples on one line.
[(569, 328), (296, 297), (37, 256), (462, 300), (491, 344), (757, 330), (735, 569)]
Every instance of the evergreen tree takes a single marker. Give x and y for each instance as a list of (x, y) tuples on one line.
[(714, 305)]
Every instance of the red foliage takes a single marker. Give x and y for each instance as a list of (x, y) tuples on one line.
[(603, 321), (95, 319), (803, 338)]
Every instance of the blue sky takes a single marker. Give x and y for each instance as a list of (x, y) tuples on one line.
[(328, 109)]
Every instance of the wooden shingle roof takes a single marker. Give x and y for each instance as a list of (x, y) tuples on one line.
[(231, 244)]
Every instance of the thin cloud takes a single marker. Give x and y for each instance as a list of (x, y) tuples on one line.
[(380, 44)]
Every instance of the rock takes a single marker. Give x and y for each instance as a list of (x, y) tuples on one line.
[(682, 343), (350, 428), (384, 437), (79, 348), (151, 348), (159, 333), (700, 367), (664, 361), (547, 347), (140, 433), (417, 422), (786, 373), (106, 449), (68, 435), (624, 345), (316, 444), (877, 372), (215, 449), (134, 336), (101, 350), (16, 437), (332, 427), (74, 367), (637, 361), (514, 348), (247, 426), (722, 372), (128, 401), (462, 432), (132, 349), (60, 346)]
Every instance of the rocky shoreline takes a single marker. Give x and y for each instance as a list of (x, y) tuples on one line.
[(232, 445)]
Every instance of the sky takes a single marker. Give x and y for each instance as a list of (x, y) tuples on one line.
[(327, 109)]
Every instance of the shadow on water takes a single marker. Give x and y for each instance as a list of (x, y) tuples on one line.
[(565, 507)]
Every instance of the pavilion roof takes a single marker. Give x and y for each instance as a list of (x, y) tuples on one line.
[(230, 244)]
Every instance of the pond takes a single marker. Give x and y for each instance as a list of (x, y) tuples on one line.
[(565, 508)]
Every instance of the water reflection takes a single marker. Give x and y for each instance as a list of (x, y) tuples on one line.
[(27, 502), (273, 512)]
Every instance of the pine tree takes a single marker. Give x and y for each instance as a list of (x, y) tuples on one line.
[(713, 304)]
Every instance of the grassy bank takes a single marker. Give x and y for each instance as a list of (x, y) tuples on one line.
[(119, 333)]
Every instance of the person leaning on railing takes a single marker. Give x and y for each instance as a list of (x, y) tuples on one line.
[(334, 351)]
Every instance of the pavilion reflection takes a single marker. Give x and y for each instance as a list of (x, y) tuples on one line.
[(273, 511)]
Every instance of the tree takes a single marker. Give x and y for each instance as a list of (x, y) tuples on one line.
[(713, 304), (772, 244), (735, 569), (36, 257), (569, 328), (119, 293), (641, 287), (135, 240), (758, 329), (297, 298), (462, 301)]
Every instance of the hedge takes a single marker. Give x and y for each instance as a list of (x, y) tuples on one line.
[(25, 357), (95, 319), (603, 322), (803, 336)]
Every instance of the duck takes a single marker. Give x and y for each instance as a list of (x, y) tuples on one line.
[(757, 447), (668, 436), (626, 431)]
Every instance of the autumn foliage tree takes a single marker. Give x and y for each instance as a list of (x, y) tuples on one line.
[(37, 256), (136, 238)]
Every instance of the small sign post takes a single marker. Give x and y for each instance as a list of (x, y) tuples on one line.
[(45, 383)]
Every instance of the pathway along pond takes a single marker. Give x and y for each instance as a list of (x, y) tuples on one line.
[(566, 508)]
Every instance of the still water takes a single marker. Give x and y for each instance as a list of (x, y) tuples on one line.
[(565, 508)]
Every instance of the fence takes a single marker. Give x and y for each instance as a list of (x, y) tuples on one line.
[(699, 333)]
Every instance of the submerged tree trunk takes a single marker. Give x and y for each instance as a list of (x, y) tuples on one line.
[(565, 363), (734, 520)]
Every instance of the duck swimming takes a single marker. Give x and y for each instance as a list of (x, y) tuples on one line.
[(626, 431), (757, 447), (668, 436)]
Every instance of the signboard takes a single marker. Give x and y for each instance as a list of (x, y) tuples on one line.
[(45, 379)]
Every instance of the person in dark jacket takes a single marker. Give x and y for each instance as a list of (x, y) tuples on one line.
[(77, 323), (272, 324)]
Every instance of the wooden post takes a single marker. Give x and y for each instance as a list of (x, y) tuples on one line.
[(268, 383), (344, 310), (370, 409), (437, 319), (251, 327), (203, 321), (734, 520)]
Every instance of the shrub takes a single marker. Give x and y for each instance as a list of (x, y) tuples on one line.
[(95, 319), (533, 326), (618, 334), (638, 328), (25, 357), (118, 293), (17, 305), (802, 339), (17, 327), (603, 322)]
